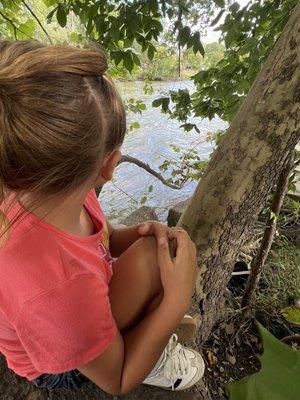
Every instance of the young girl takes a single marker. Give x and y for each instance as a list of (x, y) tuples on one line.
[(79, 299)]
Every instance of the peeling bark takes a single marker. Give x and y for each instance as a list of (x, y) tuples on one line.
[(243, 170)]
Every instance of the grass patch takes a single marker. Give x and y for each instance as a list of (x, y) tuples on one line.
[(279, 287)]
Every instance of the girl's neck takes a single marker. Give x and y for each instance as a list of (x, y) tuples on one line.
[(66, 214)]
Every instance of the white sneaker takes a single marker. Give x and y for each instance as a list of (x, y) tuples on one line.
[(178, 367)]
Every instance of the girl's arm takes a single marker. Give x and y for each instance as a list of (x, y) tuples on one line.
[(129, 359)]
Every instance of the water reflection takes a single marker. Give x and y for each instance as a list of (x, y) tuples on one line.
[(152, 144)]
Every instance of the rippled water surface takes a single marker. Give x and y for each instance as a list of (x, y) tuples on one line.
[(151, 143)]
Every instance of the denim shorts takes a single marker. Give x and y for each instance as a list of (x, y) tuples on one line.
[(66, 380)]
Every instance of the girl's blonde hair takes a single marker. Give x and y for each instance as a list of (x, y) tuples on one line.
[(59, 116)]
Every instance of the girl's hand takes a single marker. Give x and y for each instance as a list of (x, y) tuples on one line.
[(179, 274), (160, 231)]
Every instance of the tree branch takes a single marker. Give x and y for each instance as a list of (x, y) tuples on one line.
[(37, 20), (147, 168), (259, 260)]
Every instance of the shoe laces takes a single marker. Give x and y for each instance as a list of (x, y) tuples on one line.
[(176, 364)]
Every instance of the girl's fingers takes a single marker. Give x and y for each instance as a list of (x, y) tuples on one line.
[(160, 232), (183, 241), (163, 253), (173, 248), (144, 228), (173, 233), (152, 228)]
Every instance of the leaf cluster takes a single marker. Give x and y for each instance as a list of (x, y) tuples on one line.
[(249, 35)]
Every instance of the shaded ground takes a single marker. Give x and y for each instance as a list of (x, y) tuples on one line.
[(231, 354)]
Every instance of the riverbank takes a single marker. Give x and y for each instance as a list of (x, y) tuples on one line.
[(185, 74)]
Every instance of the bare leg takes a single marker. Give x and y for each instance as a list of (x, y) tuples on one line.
[(135, 287)]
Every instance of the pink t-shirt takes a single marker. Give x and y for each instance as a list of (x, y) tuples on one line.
[(55, 312)]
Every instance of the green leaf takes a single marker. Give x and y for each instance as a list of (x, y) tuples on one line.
[(90, 26), (292, 315), (188, 127), (278, 378), (150, 188), (74, 37), (219, 3), (93, 11), (165, 104), (151, 50), (157, 24), (157, 102), (117, 56), (27, 29), (135, 125), (128, 62), (50, 15), (136, 59), (115, 30), (198, 46), (49, 3), (176, 149), (143, 199), (61, 15), (184, 35), (234, 7), (128, 42)]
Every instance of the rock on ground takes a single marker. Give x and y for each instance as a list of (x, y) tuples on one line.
[(176, 211), (142, 214)]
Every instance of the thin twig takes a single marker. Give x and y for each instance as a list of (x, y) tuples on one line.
[(261, 256), (151, 171), (37, 20), (123, 191)]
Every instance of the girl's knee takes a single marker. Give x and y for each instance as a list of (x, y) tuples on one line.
[(148, 245)]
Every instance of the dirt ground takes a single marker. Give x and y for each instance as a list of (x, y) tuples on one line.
[(230, 354)]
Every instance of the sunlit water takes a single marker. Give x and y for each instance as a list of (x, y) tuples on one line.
[(151, 143)]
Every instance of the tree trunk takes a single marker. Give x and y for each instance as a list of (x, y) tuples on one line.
[(243, 170)]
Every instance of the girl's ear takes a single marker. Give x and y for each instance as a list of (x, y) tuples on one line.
[(107, 168)]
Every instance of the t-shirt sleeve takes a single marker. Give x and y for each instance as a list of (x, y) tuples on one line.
[(68, 325)]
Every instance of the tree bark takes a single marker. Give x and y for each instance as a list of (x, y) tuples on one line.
[(243, 170)]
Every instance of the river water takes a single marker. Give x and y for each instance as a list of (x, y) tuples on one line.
[(152, 143)]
